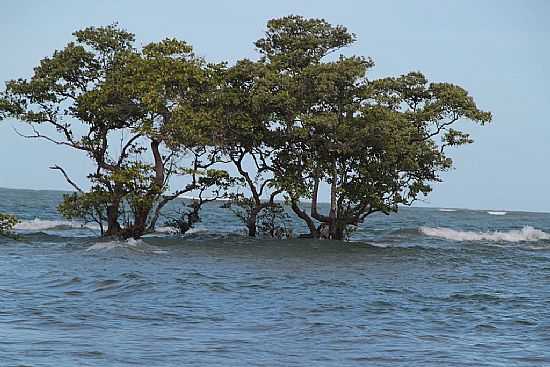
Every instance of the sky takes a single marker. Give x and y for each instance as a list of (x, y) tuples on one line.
[(497, 50)]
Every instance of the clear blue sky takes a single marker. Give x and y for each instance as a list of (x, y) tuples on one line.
[(498, 50)]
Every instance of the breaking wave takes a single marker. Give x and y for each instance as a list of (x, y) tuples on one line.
[(190, 197), (173, 231), (527, 233), (447, 210), (109, 245), (496, 213), (168, 230), (129, 244), (38, 224)]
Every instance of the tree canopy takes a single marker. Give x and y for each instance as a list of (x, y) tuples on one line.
[(129, 111), (297, 119)]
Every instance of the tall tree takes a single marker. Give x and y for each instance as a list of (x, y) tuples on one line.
[(373, 144), (254, 93)]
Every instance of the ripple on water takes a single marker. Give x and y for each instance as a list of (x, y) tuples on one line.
[(212, 299)]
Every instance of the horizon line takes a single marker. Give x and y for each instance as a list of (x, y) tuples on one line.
[(421, 206)]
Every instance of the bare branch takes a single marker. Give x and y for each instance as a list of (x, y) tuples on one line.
[(67, 178)]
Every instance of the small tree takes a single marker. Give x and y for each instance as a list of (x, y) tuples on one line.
[(90, 207), (270, 220), (274, 222), (7, 222), (217, 182)]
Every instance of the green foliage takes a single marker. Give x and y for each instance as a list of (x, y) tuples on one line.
[(107, 40), (90, 207), (291, 123), (7, 222), (134, 113), (372, 142), (269, 219), (296, 42), (274, 222)]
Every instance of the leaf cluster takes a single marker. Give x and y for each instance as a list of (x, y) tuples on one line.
[(7, 222)]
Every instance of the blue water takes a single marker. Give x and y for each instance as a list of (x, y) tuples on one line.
[(422, 288)]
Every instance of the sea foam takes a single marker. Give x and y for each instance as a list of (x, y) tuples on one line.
[(169, 230), (109, 245), (527, 233), (173, 231), (38, 224)]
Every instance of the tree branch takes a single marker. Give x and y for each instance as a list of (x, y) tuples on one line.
[(72, 183)]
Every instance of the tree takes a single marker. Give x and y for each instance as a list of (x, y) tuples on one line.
[(371, 143), (129, 111), (253, 93), (245, 104), (270, 221), (7, 221), (187, 217), (298, 121)]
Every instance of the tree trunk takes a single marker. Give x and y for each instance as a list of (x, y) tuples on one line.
[(140, 223), (159, 164), (251, 225), (251, 221), (313, 230), (333, 214), (340, 232), (141, 215), (113, 227)]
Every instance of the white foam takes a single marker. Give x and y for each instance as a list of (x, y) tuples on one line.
[(44, 224), (169, 230), (188, 197), (109, 245), (198, 229), (447, 210), (527, 233), (172, 230), (496, 213)]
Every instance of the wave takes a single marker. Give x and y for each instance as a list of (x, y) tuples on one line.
[(496, 213), (129, 244), (527, 233), (109, 245), (173, 231), (167, 230), (38, 224), (447, 210), (190, 197)]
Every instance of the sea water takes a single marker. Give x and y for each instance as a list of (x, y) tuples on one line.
[(425, 287)]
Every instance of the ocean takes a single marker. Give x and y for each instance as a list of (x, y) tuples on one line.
[(424, 287)]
